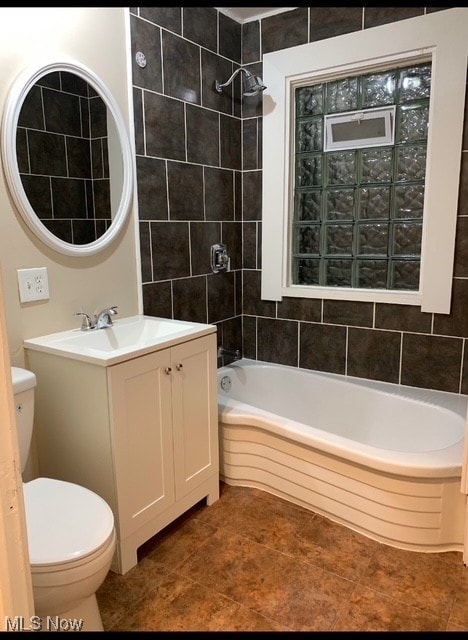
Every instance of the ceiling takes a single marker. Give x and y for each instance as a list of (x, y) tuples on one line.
[(246, 14)]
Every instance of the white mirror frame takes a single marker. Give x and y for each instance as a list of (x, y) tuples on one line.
[(13, 105)]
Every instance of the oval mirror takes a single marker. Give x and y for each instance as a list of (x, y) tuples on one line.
[(67, 157)]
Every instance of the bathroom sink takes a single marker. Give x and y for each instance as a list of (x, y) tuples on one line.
[(127, 338)]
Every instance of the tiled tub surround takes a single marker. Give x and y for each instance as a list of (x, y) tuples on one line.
[(384, 460), (63, 157), (189, 161), (199, 182)]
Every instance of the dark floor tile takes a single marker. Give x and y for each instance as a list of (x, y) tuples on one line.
[(239, 618), (118, 594), (291, 529), (459, 613), (456, 627), (289, 591), (274, 523), (254, 562), (334, 547), (171, 546), (178, 604), (426, 581), (369, 610)]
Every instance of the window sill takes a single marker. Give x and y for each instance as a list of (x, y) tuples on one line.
[(356, 295)]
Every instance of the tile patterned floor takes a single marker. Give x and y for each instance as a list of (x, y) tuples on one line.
[(254, 562)]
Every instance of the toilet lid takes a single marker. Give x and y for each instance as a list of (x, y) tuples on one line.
[(65, 521)]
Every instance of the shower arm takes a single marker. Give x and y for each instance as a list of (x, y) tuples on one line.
[(219, 87)]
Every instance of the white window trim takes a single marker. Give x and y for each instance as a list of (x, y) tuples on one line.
[(440, 37)]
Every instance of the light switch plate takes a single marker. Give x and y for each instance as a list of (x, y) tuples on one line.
[(33, 284)]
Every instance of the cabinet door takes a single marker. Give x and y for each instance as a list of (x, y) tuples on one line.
[(195, 413), (140, 401)]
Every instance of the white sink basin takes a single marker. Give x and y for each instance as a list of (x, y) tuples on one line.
[(127, 338)]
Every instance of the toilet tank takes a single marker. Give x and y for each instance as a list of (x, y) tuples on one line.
[(24, 383)]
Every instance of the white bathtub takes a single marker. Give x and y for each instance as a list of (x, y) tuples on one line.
[(381, 458)]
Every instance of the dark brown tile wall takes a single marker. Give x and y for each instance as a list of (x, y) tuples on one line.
[(326, 22), (285, 30), (322, 347), (189, 164), (199, 171), (201, 26), (375, 16)]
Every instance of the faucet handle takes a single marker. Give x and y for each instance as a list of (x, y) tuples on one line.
[(87, 322)]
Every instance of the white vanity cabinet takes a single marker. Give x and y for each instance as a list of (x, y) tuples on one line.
[(142, 433)]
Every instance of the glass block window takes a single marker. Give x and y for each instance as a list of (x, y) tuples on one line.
[(358, 212)]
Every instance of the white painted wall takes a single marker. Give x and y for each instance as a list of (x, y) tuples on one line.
[(98, 38)]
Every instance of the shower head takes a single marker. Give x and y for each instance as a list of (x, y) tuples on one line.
[(251, 86)]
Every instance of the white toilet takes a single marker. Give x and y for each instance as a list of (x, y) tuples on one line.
[(71, 532)]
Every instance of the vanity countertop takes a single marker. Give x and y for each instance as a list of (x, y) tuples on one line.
[(127, 338)]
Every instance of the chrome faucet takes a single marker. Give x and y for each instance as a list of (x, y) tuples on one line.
[(87, 322), (100, 321), (104, 318), (236, 354)]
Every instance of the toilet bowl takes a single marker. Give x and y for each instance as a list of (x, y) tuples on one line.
[(71, 534)]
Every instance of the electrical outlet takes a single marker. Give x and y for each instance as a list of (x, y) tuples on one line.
[(33, 284)]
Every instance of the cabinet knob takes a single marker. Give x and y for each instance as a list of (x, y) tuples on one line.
[(168, 371), (179, 366)]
